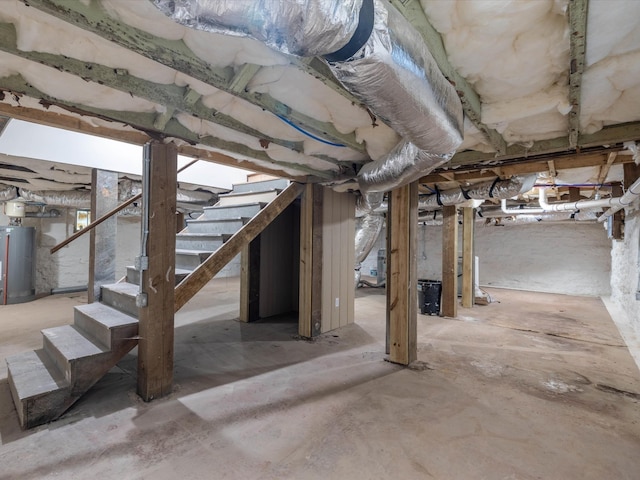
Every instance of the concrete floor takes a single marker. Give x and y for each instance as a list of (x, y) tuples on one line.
[(533, 386)]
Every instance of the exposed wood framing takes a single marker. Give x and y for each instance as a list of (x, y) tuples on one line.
[(175, 98), (311, 234), (243, 77), (402, 274), (526, 166), (604, 169), (413, 12), (617, 231), (468, 291), (197, 279), (145, 122), (577, 48), (449, 261), (611, 135), (175, 54), (156, 319)]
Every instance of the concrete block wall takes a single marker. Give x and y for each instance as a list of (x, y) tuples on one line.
[(625, 270), (572, 259)]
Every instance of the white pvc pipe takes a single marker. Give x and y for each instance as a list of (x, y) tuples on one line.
[(627, 199), (519, 211), (573, 206)]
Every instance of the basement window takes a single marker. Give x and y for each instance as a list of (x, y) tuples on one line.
[(83, 218)]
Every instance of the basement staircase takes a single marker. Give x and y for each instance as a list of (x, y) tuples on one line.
[(44, 383)]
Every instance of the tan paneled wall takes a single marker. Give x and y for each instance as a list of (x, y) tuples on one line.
[(338, 251)]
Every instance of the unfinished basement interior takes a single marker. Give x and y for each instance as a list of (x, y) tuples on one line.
[(300, 239)]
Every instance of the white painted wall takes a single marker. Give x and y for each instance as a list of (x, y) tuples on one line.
[(625, 270), (572, 259)]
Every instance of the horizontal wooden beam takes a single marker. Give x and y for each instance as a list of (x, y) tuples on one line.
[(605, 139), (146, 122), (577, 10), (75, 124), (197, 279)]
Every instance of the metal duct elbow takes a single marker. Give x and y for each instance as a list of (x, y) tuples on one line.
[(8, 193), (299, 27), (497, 189), (404, 164)]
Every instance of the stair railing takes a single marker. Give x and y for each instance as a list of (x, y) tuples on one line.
[(107, 215)]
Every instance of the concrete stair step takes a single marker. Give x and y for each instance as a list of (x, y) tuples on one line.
[(277, 183), (105, 324), (217, 226), (247, 197), (200, 240), (67, 347), (121, 296), (248, 210), (38, 387), (190, 259), (133, 275)]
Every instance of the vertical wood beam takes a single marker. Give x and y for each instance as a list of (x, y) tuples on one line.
[(250, 282), (310, 299), (179, 222), (618, 217), (402, 274), (449, 261), (574, 194), (631, 174), (156, 319), (468, 290), (102, 238)]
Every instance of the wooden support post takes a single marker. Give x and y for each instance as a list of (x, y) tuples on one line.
[(631, 174), (156, 319), (468, 289), (250, 281), (310, 300), (449, 261), (402, 274), (179, 222), (618, 217), (102, 239)]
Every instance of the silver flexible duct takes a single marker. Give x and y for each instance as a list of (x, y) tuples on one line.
[(397, 77), (300, 27), (8, 193), (73, 198), (389, 68), (404, 164), (127, 188), (498, 189), (368, 228)]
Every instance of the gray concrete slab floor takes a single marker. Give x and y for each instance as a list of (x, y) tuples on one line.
[(532, 386)]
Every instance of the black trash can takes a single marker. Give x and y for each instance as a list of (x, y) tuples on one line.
[(429, 292)]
